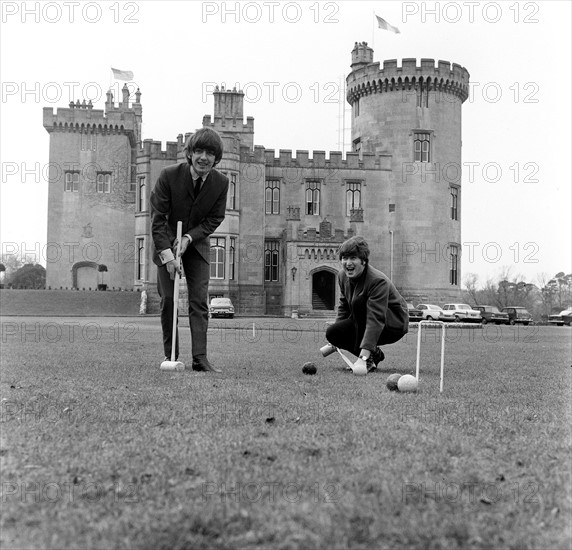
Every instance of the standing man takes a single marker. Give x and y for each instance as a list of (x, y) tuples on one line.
[(195, 193), (371, 311)]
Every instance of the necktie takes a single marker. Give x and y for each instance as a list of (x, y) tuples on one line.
[(197, 186)]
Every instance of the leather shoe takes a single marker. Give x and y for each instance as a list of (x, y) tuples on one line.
[(376, 357), (202, 364)]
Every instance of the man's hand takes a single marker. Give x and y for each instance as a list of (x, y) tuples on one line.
[(173, 267), (185, 242)]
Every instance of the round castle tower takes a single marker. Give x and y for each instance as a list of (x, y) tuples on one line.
[(412, 114)]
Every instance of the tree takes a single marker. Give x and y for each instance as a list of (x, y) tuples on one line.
[(12, 263), (30, 276), (557, 291), (472, 292)]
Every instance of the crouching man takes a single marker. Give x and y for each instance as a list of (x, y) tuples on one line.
[(371, 312)]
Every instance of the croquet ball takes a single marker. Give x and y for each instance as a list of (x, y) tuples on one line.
[(309, 368), (407, 383), (392, 382)]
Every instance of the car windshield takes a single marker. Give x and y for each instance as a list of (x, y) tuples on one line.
[(494, 309), (220, 302)]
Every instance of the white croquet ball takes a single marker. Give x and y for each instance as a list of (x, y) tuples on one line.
[(407, 383)]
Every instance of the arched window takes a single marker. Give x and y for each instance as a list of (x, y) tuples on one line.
[(217, 257), (272, 197), (422, 147), (313, 198), (271, 261), (353, 197)]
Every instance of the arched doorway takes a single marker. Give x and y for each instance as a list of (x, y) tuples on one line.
[(84, 275), (323, 290)]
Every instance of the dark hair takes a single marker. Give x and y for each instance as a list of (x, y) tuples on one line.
[(355, 246), (205, 138)]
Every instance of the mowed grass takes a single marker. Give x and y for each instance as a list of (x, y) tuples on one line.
[(101, 449)]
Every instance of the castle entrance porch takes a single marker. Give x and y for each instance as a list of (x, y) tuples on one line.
[(323, 290)]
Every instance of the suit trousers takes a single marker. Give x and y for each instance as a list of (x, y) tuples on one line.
[(197, 275), (348, 333)]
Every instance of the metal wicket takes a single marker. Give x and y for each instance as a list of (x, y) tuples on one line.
[(443, 330)]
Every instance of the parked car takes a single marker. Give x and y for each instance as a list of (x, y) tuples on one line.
[(430, 312), (517, 314), (460, 313), (221, 307), (492, 314), (414, 313), (562, 318)]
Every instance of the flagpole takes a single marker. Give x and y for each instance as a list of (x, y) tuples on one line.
[(373, 31)]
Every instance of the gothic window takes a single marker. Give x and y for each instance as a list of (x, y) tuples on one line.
[(272, 197), (454, 203), (271, 260), (88, 141), (132, 179), (71, 181), (353, 197), (141, 194), (313, 198), (140, 247), (454, 264), (217, 257), (231, 259), (423, 94), (422, 147), (103, 182), (231, 200)]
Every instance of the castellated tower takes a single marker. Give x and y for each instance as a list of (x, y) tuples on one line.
[(91, 197), (410, 115), (229, 118)]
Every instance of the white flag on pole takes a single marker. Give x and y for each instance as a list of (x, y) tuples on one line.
[(383, 24), (122, 75)]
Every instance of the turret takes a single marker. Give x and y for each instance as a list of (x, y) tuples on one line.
[(362, 55), (125, 94), (229, 117), (412, 114), (228, 104)]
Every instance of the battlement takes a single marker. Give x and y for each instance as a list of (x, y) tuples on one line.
[(153, 149), (261, 155), (81, 116), (229, 124), (369, 78)]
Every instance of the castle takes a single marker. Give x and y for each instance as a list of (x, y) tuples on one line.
[(275, 252)]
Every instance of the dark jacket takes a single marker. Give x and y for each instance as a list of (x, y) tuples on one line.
[(173, 200), (374, 303)]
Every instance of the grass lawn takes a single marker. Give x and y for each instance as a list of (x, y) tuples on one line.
[(101, 449)]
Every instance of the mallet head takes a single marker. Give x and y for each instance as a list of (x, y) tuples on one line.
[(172, 365), (328, 349)]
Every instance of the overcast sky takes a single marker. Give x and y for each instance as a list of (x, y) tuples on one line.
[(291, 59)]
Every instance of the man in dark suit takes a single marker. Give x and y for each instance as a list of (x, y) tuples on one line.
[(371, 311), (194, 193)]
